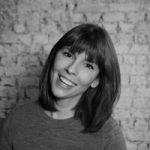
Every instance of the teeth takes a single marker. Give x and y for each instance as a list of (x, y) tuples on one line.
[(66, 81)]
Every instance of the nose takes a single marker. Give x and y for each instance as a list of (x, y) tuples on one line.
[(72, 68)]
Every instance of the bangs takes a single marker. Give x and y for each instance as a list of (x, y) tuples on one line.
[(89, 47)]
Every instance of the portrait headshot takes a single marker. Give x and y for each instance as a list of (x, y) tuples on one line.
[(74, 75)]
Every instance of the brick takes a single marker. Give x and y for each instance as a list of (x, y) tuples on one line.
[(126, 27), (147, 136), (9, 37), (34, 71), (127, 91), (25, 39), (2, 51), (122, 48), (2, 114), (123, 38), (129, 59), (57, 4), (147, 102), (125, 79), (140, 113), (22, 12), (23, 60), (134, 17), (146, 5), (70, 4), (8, 92), (15, 70), (125, 69), (47, 48), (28, 82), (60, 15), (143, 146), (138, 80), (19, 28), (139, 49), (48, 26), (92, 7), (124, 102), (131, 145), (141, 125), (122, 114), (40, 38), (28, 61), (127, 123), (143, 91), (141, 59), (140, 103), (142, 28), (77, 17), (2, 105), (141, 39), (134, 135), (147, 16), (9, 60), (2, 71), (32, 21), (120, 59), (39, 5), (114, 17), (93, 17), (2, 93), (14, 48), (8, 81), (148, 81), (125, 7), (110, 27), (139, 70)]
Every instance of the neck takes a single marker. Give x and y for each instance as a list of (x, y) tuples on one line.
[(65, 109)]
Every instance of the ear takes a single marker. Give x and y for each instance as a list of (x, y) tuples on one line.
[(95, 83)]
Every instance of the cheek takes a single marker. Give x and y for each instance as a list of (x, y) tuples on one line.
[(57, 66), (60, 63), (86, 78)]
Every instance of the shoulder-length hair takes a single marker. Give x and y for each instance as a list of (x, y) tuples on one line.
[(96, 104)]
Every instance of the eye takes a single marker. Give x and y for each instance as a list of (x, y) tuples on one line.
[(90, 66), (67, 53)]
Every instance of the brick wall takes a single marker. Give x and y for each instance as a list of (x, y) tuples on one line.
[(29, 29)]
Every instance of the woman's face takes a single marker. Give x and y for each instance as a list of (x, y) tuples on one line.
[(72, 75)]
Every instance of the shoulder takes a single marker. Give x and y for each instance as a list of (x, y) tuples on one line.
[(25, 106), (22, 111), (112, 135), (110, 127)]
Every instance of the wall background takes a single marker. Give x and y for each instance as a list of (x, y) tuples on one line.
[(29, 29)]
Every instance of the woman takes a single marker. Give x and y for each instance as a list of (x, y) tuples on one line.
[(78, 88)]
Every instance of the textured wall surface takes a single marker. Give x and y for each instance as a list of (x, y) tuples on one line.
[(29, 29)]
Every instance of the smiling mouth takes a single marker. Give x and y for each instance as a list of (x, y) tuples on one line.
[(66, 81)]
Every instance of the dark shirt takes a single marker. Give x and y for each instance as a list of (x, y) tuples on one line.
[(28, 127)]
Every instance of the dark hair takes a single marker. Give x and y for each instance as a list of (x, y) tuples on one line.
[(96, 104)]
